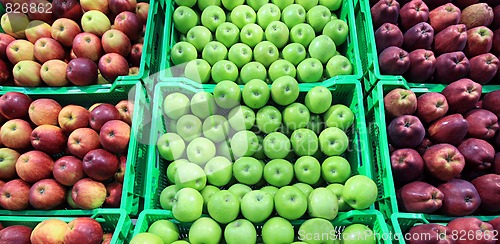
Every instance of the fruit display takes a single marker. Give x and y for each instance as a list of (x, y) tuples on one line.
[(244, 40), (71, 43), (437, 41)]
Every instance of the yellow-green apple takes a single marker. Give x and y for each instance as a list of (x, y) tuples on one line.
[(67, 9), (356, 233), (420, 197), (135, 55), (113, 195), (122, 168), (316, 230), (281, 67), (102, 114), (310, 70), (83, 229), (353, 186), (290, 203), (460, 197), (296, 116), (242, 15), (48, 138), (316, 206), (227, 34), (185, 18), (227, 94), (167, 197), (223, 206), (333, 141), (400, 102), (14, 195), (284, 90), (95, 22), (318, 100), (47, 194), (214, 51), (205, 230), (406, 131), (46, 49), (72, 117), (268, 13), (81, 71), (407, 165), (68, 170), (16, 234), (251, 34), (44, 111), (87, 45), (171, 146), (102, 6), (27, 73), (132, 71), (34, 166), (278, 172), (307, 170), (203, 105), (118, 6), (240, 54), (483, 124), (88, 194), (8, 163), (126, 110), (142, 11), (188, 205), (338, 65), (337, 189), (190, 175), (444, 161), (130, 24), (14, 105), (219, 171), (112, 65), (5, 40), (216, 128), (37, 29), (51, 230), (239, 231), (20, 50), (53, 73), (176, 105), (16, 134), (114, 136), (294, 53), (240, 189), (15, 24), (277, 230), (266, 53), (166, 230), (257, 206), (64, 31), (100, 164), (198, 70)]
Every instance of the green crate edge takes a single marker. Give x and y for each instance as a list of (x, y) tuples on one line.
[(133, 183)]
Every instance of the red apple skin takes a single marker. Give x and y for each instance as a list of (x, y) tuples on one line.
[(407, 165), (18, 234), (49, 139), (386, 11), (496, 225), (67, 9), (44, 111), (118, 6), (488, 188), (496, 164), (5, 40), (20, 50), (483, 124), (88, 194), (479, 41), (8, 158), (431, 106), (426, 143), (412, 13), (434, 231), (64, 31), (47, 194), (135, 55), (82, 71), (114, 195), (43, 12), (444, 161), (47, 49), (34, 166), (14, 195), (126, 110), (83, 230), (72, 117), (120, 173), (451, 67), (115, 41), (420, 197), (462, 95), (394, 61), (449, 129), (422, 65), (400, 102), (5, 72), (83, 140), (491, 102), (478, 154), (406, 132), (102, 114), (130, 24), (115, 136), (50, 230), (483, 68), (420, 36), (16, 134), (495, 49), (444, 16), (100, 164), (473, 225), (461, 198), (113, 65), (87, 45), (106, 238), (142, 11), (14, 105), (68, 170)]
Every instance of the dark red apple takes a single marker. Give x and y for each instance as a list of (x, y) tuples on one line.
[(407, 165), (18, 234), (483, 68), (68, 170), (102, 114), (451, 67), (130, 24), (462, 95), (5, 40), (113, 65), (100, 164), (5, 72), (420, 36), (460, 198), (81, 71), (422, 65), (488, 188), (434, 233), (115, 136), (482, 231), (483, 124), (388, 35), (406, 131), (450, 129), (113, 195), (412, 13), (14, 195), (478, 153), (47, 194), (120, 173), (431, 106), (385, 11), (420, 197), (15, 105), (48, 138), (394, 61), (135, 55), (70, 9)]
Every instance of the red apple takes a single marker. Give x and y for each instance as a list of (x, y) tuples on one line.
[(444, 161), (114, 195), (135, 54), (72, 117), (491, 102), (14, 195), (102, 114), (120, 173), (5, 40), (101, 6), (460, 198), (48, 138), (483, 68), (68, 170), (16, 134), (482, 232), (488, 187), (406, 131), (420, 197), (8, 158), (27, 73), (44, 111), (49, 231), (37, 29), (53, 73), (34, 166), (118, 6), (113, 65), (407, 165), (436, 233), (478, 154), (126, 110), (88, 194), (100, 164), (20, 50), (70, 9), (82, 71), (449, 129), (462, 95), (14, 105), (47, 194), (115, 136), (87, 45), (18, 234), (83, 230), (43, 11), (47, 49), (64, 31), (431, 106), (128, 23), (142, 10), (483, 124), (115, 41), (400, 102), (83, 140), (106, 238)]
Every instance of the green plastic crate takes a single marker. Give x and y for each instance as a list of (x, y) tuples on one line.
[(371, 218), (133, 184), (149, 60), (112, 221)]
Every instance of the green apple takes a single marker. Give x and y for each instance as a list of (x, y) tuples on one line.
[(266, 53), (189, 127), (224, 150), (205, 230), (95, 22), (251, 34), (240, 54), (276, 145), (240, 231), (146, 238), (337, 30), (256, 93), (251, 71), (278, 172), (228, 34), (338, 65), (167, 197), (212, 17), (307, 4), (244, 144), (187, 3), (315, 124), (256, 4), (227, 94), (166, 230), (296, 116), (318, 16), (293, 15), (268, 119), (200, 150), (224, 70), (333, 5), (302, 34), (268, 13), (277, 230), (336, 169), (307, 170), (333, 141), (319, 99), (242, 15), (285, 90), (183, 52), (270, 189), (356, 184), (247, 170), (281, 67), (203, 105), (231, 4), (358, 234), (180, 242), (170, 146), (172, 169), (224, 206), (199, 36), (184, 19), (207, 193), (305, 188), (259, 153), (317, 231), (309, 70), (198, 70), (188, 205), (304, 142), (290, 203), (190, 175), (294, 53), (241, 118), (203, 4), (214, 51), (257, 206), (339, 116), (337, 189), (239, 189), (322, 48), (282, 3), (219, 171), (216, 128), (277, 33), (322, 203), (176, 105)]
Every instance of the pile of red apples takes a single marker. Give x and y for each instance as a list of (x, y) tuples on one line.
[(445, 149), (56, 157), (71, 42), (438, 41)]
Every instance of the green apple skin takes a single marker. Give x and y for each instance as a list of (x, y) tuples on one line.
[(251, 34), (166, 230), (205, 230), (241, 118), (268, 119), (189, 127), (338, 65), (307, 170), (290, 203), (278, 172), (256, 4), (171, 146), (242, 15), (337, 189), (224, 70), (240, 231), (183, 52), (282, 4), (318, 16), (266, 53), (317, 231), (333, 5), (322, 48), (244, 144), (358, 234), (318, 100), (339, 116), (203, 4), (356, 184), (188, 205), (184, 19), (277, 230), (268, 13), (214, 51), (216, 128), (304, 142), (251, 71), (176, 105), (207, 193), (315, 124), (224, 150), (190, 175), (293, 15), (198, 70), (270, 189), (277, 33), (281, 67), (239, 190), (172, 169), (337, 30), (199, 36), (336, 169), (302, 34), (187, 3), (240, 54), (146, 238), (276, 145), (256, 93), (203, 105), (285, 90), (305, 188), (228, 34), (231, 4), (294, 53), (309, 70), (333, 141), (224, 206), (307, 4), (219, 171), (322, 203), (180, 242), (296, 116), (227, 94), (167, 197), (259, 153), (257, 206), (247, 170), (212, 17)]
